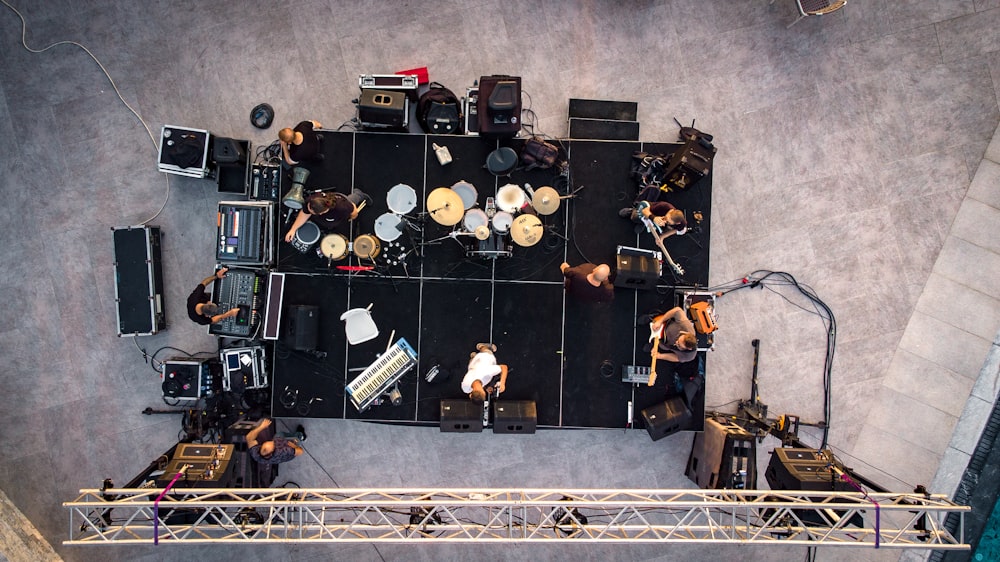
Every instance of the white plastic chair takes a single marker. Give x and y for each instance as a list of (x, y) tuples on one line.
[(359, 325)]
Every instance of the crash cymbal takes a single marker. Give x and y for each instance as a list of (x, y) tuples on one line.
[(546, 200), (445, 206), (527, 230), (482, 232)]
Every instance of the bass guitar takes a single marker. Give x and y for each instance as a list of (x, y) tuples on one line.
[(656, 231)]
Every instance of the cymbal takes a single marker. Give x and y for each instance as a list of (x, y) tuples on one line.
[(445, 206), (546, 200), (526, 230), (482, 232)]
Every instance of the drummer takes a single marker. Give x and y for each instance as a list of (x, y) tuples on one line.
[(328, 210)]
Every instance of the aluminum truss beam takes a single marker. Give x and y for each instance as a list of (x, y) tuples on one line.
[(793, 518)]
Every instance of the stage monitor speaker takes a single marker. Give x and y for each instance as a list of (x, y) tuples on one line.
[(303, 327), (667, 418), (514, 416), (384, 109), (461, 416), (637, 271), (802, 469)]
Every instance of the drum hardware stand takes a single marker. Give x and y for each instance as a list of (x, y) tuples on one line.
[(551, 229), (454, 234)]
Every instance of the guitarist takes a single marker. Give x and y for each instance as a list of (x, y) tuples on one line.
[(669, 220), (661, 219), (677, 341)]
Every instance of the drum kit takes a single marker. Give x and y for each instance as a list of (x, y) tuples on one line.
[(512, 214)]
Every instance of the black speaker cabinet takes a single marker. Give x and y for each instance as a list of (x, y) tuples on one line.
[(303, 327), (384, 109), (636, 270), (461, 416), (667, 418), (499, 105), (514, 416), (689, 164), (719, 454), (802, 469)]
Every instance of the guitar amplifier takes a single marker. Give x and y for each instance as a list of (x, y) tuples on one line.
[(384, 109), (703, 316)]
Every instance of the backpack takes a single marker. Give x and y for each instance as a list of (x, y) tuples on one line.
[(439, 110), (539, 154)]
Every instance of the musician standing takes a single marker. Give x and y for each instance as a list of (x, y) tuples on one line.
[(588, 282), (482, 372), (678, 342)]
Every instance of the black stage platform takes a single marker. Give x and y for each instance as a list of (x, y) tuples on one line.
[(443, 302)]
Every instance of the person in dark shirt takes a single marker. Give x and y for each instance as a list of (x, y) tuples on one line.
[(328, 210), (300, 144), (669, 219), (279, 449), (201, 309), (588, 282)]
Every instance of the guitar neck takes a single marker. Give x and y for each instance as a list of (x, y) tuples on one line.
[(666, 256)]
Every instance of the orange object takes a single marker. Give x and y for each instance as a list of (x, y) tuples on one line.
[(422, 76), (703, 316)]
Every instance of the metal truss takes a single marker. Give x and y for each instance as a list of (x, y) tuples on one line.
[(794, 518)]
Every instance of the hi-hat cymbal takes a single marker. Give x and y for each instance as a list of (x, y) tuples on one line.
[(546, 200), (526, 230), (445, 206)]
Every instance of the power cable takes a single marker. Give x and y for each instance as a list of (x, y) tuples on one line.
[(24, 43)]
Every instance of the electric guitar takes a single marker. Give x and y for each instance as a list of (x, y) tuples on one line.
[(655, 230), (654, 336)]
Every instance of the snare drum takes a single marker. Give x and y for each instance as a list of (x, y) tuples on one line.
[(511, 198), (332, 247), (467, 192), (367, 247), (388, 227), (305, 237), (401, 199), (502, 222), (475, 218)]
